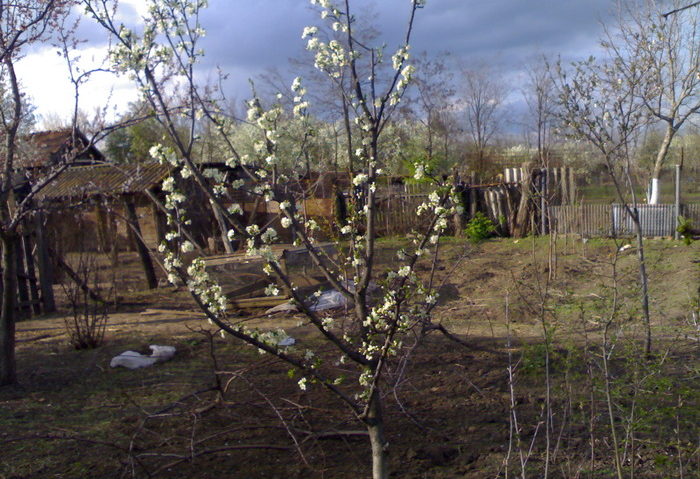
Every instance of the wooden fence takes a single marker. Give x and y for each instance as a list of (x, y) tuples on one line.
[(34, 294), (558, 185), (591, 220), (397, 205), (396, 214)]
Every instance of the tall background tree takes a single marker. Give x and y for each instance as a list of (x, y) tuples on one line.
[(432, 128), (482, 92), (664, 51), (540, 96)]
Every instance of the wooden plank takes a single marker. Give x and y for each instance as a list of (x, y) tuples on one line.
[(248, 289), (271, 207), (173, 312), (261, 302), (318, 206), (234, 258), (279, 251)]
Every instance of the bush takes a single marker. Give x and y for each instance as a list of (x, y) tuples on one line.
[(479, 228), (685, 228), (86, 326)]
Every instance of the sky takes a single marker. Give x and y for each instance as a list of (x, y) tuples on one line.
[(245, 38)]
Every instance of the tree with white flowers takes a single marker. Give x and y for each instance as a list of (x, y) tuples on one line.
[(164, 54)]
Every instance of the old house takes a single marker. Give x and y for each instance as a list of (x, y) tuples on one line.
[(45, 149)]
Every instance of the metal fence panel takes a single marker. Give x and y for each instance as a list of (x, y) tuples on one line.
[(592, 220), (655, 220)]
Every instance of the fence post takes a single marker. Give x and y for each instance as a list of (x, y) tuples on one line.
[(613, 230), (676, 234)]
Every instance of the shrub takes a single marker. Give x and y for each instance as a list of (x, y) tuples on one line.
[(86, 325), (685, 228), (479, 228)]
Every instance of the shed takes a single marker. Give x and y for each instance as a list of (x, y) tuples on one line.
[(49, 148)]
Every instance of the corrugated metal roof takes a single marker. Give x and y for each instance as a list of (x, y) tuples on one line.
[(83, 181)]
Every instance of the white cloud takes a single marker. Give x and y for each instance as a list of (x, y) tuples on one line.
[(44, 76)]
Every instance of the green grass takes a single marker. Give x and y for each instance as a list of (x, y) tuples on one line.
[(606, 193)]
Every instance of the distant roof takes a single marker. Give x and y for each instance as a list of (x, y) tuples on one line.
[(105, 179), (48, 147)]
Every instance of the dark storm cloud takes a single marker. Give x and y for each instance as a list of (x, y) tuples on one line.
[(256, 34), (87, 31), (249, 37)]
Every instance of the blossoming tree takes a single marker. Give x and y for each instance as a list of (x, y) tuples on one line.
[(164, 55)]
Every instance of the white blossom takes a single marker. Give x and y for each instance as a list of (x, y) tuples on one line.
[(269, 235), (168, 184), (360, 179), (302, 384), (420, 171), (309, 32)]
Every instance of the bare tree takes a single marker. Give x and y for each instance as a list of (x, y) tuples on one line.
[(598, 106), (431, 106), (539, 95), (21, 25), (482, 94), (664, 52)]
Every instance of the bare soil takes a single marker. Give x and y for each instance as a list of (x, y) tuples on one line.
[(449, 415)]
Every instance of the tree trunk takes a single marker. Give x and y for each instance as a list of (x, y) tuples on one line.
[(23, 309), (8, 365), (45, 267), (643, 280), (141, 248), (104, 237), (659, 163), (223, 229), (375, 429), (459, 215)]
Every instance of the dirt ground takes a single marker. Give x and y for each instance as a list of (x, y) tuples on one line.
[(450, 407)]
